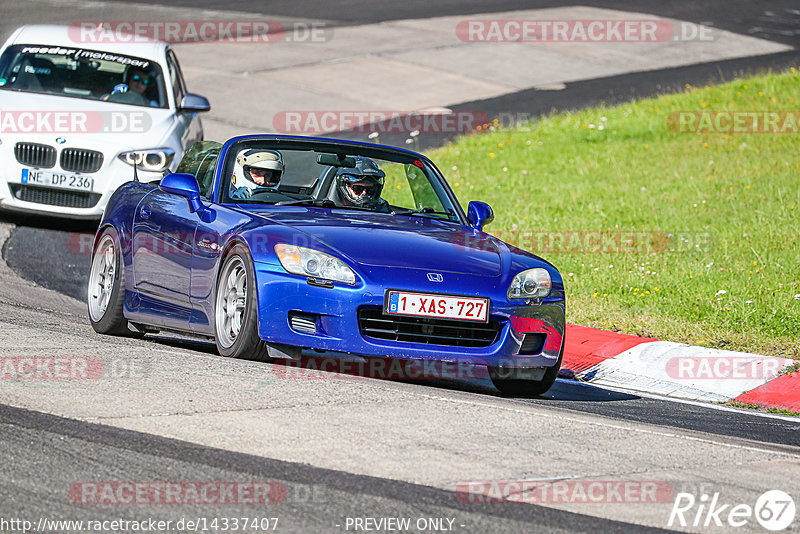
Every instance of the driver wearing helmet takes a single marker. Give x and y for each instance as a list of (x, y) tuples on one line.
[(361, 186), (256, 169)]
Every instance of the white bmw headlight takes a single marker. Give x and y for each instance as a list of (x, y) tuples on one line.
[(152, 159), (533, 283), (308, 262)]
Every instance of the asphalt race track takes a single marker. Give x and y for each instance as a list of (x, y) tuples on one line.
[(340, 447)]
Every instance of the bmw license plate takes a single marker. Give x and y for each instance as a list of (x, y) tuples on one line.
[(57, 179), (438, 306)]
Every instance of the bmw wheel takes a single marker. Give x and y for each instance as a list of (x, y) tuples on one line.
[(236, 309)]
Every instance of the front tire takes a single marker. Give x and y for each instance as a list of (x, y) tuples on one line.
[(106, 292), (515, 387), (236, 309)]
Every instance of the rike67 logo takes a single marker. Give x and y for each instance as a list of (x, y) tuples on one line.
[(774, 510)]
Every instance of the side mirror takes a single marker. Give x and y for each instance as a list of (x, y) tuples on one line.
[(183, 185), (194, 103), (479, 214)]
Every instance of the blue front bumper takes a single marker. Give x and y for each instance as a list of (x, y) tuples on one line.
[(336, 314)]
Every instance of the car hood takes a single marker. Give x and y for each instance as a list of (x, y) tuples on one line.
[(84, 122), (397, 241)]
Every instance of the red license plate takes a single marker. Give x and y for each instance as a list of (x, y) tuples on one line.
[(439, 306)]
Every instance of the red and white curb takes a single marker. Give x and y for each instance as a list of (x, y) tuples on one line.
[(677, 370)]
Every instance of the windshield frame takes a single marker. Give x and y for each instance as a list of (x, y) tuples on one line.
[(329, 146)]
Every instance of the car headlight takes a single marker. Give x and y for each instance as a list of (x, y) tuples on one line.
[(151, 159), (307, 262), (533, 283)]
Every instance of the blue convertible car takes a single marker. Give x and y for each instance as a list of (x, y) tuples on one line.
[(272, 245)]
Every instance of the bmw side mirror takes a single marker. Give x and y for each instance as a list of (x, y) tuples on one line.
[(194, 103), (479, 214), (183, 185)]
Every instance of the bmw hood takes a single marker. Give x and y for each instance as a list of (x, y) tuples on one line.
[(399, 242), (41, 118)]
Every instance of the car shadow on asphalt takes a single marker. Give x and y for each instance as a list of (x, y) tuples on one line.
[(438, 375)]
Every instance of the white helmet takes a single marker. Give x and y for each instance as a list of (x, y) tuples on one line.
[(257, 168)]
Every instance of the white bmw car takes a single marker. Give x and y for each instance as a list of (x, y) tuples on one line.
[(76, 116)]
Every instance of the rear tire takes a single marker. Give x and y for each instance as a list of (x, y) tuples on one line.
[(236, 309), (106, 291), (526, 388)]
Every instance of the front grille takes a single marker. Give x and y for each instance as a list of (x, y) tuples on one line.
[(54, 197), (448, 332), (35, 155), (81, 160)]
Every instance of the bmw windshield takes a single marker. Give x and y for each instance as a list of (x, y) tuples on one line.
[(80, 73)]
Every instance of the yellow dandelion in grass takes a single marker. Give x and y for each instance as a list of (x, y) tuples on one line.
[(645, 145), (705, 145), (760, 93), (792, 69), (457, 184), (491, 154), (594, 294), (656, 289), (399, 186), (500, 145), (524, 218), (739, 93), (755, 263), (792, 207), (647, 292)]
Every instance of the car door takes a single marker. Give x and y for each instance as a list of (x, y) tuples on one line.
[(162, 245), (189, 127)]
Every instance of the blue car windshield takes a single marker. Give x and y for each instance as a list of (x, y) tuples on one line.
[(259, 173)]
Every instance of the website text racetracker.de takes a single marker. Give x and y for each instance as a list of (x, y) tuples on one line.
[(195, 524), (379, 121), (74, 121)]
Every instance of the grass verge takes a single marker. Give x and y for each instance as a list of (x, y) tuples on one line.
[(689, 237)]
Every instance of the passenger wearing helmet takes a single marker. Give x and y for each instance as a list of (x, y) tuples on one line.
[(256, 169), (361, 186)]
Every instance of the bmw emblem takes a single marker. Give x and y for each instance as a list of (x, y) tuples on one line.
[(61, 140), (435, 277)]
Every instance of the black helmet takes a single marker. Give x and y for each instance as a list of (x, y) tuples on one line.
[(360, 186)]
